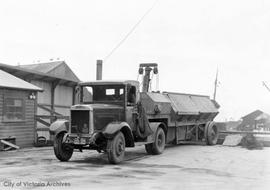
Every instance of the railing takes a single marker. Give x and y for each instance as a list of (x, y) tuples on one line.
[(46, 120), (40, 119)]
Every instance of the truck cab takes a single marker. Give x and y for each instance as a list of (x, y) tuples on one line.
[(110, 101)]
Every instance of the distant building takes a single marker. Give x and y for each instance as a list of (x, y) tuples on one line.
[(18, 106), (255, 120), (59, 84)]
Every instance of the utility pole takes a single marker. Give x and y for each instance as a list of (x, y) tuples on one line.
[(216, 85)]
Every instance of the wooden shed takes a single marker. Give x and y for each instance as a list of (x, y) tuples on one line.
[(18, 106), (59, 84)]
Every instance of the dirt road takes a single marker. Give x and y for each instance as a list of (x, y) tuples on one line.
[(179, 167)]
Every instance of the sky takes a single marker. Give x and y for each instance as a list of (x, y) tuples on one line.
[(189, 40)]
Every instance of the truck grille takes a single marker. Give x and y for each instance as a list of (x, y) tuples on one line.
[(80, 121)]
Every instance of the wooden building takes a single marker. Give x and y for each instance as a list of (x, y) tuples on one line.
[(59, 85), (255, 120), (18, 106)]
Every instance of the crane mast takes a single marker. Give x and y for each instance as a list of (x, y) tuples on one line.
[(145, 70)]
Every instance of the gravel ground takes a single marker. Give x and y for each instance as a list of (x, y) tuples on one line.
[(179, 167)]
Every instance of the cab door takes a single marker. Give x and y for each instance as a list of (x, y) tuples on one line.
[(131, 100)]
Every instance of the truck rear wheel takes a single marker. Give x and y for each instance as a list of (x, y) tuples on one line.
[(62, 151), (158, 146), (211, 132), (116, 148)]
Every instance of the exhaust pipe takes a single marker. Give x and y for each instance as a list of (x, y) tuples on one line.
[(99, 70)]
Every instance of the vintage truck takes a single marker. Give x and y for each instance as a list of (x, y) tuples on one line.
[(120, 115)]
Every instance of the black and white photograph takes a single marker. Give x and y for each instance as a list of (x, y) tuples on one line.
[(134, 95)]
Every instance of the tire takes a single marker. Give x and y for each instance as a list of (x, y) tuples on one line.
[(62, 151), (211, 132), (158, 146), (116, 148), (148, 148)]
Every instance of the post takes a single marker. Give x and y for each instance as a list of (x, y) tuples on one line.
[(99, 70), (146, 79), (216, 84)]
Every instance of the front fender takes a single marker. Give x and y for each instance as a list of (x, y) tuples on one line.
[(59, 126), (112, 128)]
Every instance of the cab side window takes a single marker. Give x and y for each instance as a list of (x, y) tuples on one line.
[(131, 96)]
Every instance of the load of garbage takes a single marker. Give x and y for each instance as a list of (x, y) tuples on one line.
[(251, 143), (244, 140)]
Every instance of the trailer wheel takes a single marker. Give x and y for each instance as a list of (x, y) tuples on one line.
[(62, 151), (158, 146), (116, 148), (211, 134)]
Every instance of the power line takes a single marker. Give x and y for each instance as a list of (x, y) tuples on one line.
[(266, 86), (130, 32)]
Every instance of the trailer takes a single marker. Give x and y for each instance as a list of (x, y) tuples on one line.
[(120, 115), (187, 117)]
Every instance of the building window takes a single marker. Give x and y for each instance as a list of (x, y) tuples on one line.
[(13, 109)]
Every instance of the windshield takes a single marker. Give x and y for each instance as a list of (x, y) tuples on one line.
[(102, 93)]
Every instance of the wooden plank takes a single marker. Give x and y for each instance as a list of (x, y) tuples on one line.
[(16, 124), (45, 116), (9, 144), (16, 129), (49, 110), (53, 86), (43, 122), (22, 134), (43, 129), (57, 105), (8, 148)]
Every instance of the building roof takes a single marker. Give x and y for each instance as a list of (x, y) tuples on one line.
[(263, 116), (42, 67), (10, 81), (252, 115), (68, 78), (56, 68)]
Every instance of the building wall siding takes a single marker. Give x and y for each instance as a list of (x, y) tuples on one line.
[(63, 95), (45, 96), (24, 130)]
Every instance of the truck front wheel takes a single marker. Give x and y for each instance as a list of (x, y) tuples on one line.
[(158, 146), (116, 148), (62, 151)]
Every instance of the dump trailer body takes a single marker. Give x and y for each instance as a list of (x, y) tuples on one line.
[(185, 115), (199, 106)]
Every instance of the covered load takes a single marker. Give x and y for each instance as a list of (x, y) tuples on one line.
[(189, 106)]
